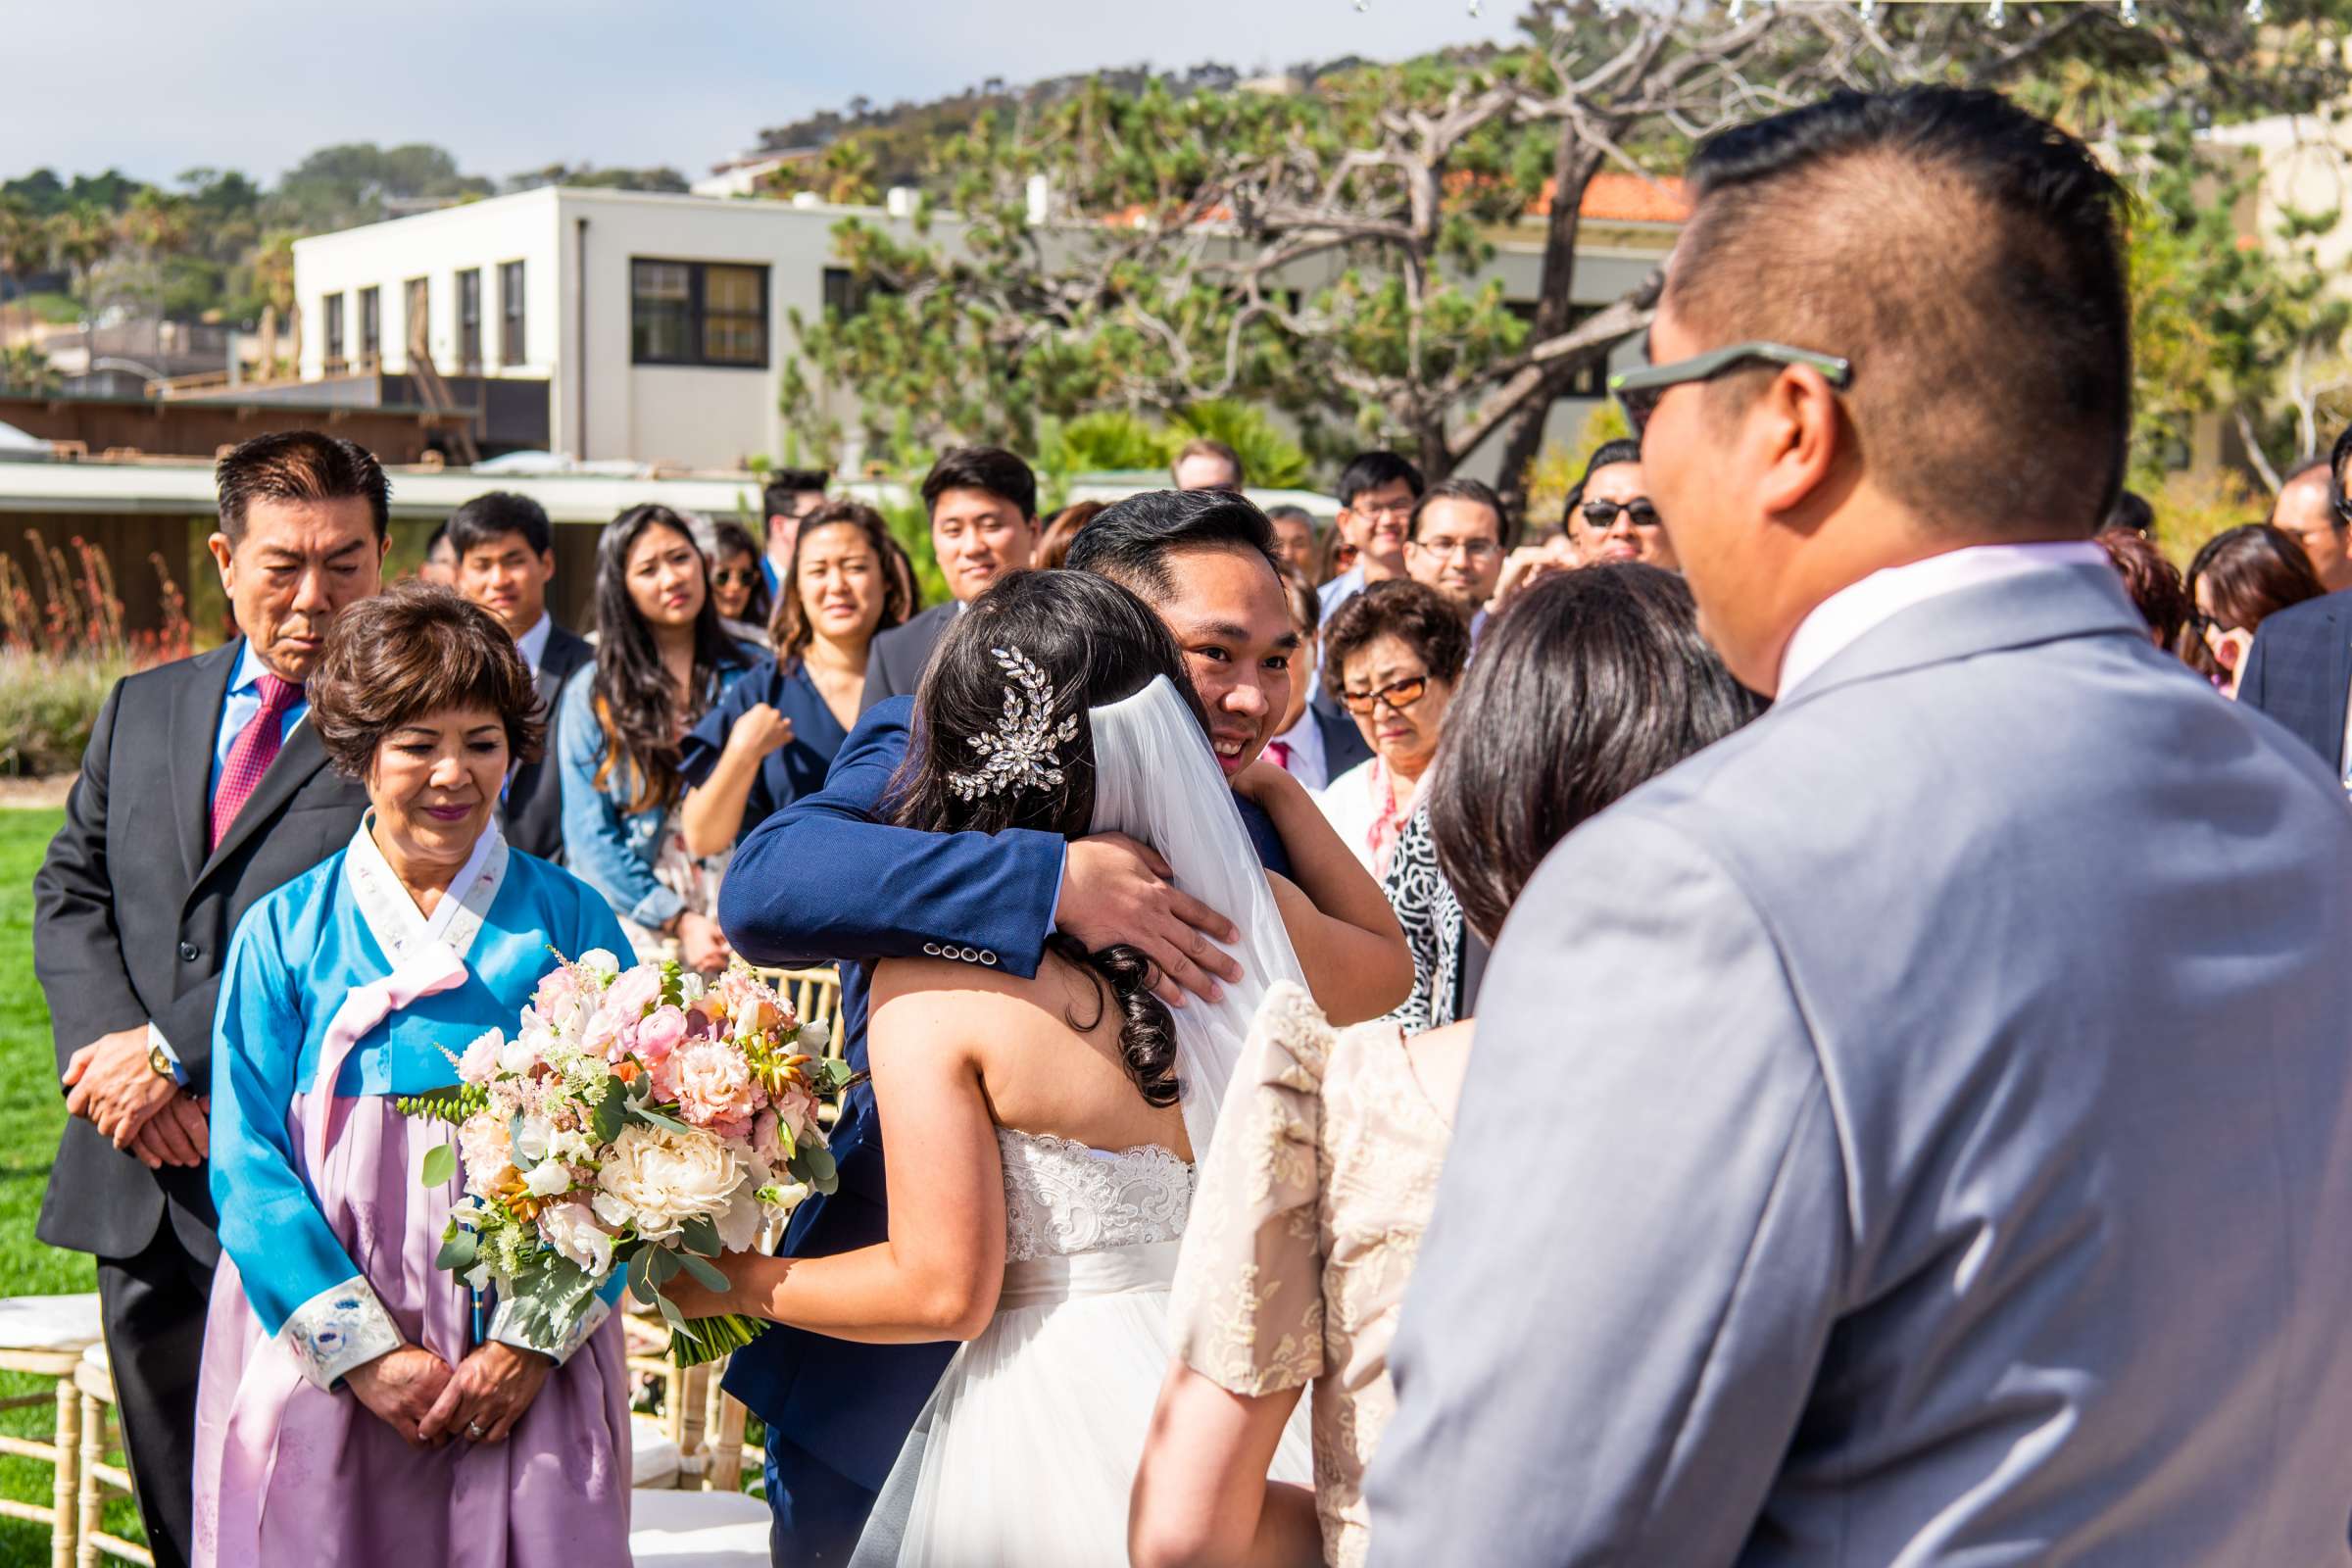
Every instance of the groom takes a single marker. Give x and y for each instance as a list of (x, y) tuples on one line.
[(1939, 1162), (826, 878)]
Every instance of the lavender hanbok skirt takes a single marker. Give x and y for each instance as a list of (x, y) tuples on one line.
[(286, 1473)]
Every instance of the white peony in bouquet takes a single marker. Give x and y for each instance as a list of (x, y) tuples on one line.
[(642, 1119)]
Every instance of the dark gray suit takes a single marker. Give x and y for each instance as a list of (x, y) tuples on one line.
[(894, 666), (131, 918), (534, 798), (1944, 1155)]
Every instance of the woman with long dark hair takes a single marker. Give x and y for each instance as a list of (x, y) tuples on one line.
[(661, 659), (1041, 1130), (2240, 578), (770, 739), (1312, 1206)]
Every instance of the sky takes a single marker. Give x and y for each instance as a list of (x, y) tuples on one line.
[(508, 85)]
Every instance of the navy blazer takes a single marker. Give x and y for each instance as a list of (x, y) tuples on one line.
[(796, 769), (2299, 671), (823, 880)]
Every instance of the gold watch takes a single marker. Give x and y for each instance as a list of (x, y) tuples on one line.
[(160, 1060)]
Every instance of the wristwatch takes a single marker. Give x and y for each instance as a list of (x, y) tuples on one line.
[(160, 1060)]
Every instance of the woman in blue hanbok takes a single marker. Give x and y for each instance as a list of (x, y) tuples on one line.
[(357, 1405)]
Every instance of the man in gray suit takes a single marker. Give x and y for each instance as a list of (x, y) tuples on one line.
[(1917, 1129)]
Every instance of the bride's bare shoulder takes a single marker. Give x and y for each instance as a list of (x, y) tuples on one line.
[(967, 998)]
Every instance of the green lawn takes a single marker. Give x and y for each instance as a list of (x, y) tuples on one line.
[(31, 1115)]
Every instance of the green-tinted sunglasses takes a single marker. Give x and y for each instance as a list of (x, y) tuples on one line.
[(1638, 391)]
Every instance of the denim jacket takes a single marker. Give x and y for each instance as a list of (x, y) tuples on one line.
[(606, 844)]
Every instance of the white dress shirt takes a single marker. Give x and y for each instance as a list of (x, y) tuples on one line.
[(1840, 620), (1308, 764), (532, 644)]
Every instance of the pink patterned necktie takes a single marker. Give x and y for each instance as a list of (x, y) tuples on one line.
[(1279, 751), (251, 753)]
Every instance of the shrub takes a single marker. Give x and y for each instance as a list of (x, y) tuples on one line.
[(63, 648)]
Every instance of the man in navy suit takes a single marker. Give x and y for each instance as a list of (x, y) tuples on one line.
[(826, 878), (2299, 671)]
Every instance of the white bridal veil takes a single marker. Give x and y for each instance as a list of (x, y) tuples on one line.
[(1155, 779)]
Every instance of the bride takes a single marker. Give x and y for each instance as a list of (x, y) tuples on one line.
[(1041, 1132)]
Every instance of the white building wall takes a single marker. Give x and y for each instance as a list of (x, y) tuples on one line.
[(435, 246), (691, 417)]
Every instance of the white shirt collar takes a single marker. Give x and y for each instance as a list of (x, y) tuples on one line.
[(1306, 740), (1840, 620), (532, 644)]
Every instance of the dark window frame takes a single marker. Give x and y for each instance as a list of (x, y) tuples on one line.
[(469, 319), (331, 313), (512, 344), (696, 316), (372, 324)]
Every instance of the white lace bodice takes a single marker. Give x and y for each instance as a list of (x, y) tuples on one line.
[(1062, 1196)]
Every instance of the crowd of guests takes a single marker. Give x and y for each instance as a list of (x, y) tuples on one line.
[(1892, 1102)]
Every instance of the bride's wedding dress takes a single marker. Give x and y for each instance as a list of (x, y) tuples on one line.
[(1026, 1453), (1029, 1445)]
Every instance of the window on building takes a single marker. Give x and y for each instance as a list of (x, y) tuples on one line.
[(509, 313), (1593, 381), (698, 313), (469, 319), (371, 327), (418, 306), (331, 307)]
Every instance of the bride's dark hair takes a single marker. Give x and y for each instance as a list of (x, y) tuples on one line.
[(1094, 642)]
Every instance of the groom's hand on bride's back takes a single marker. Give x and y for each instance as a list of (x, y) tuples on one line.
[(1117, 892)]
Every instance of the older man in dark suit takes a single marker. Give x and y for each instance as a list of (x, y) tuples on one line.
[(2299, 671), (506, 559), (201, 791)]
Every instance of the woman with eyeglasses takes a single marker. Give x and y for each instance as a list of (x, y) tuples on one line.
[(2240, 577), (769, 738), (1614, 520), (738, 587), (1392, 655)]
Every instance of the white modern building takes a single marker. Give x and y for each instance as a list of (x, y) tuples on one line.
[(657, 326)]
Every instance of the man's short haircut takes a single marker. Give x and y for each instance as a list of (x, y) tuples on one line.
[(488, 519), (2131, 511), (437, 538), (300, 466), (1967, 257), (1130, 541), (1290, 509), (1608, 453), (1471, 490), (1370, 470), (785, 483), (990, 469), (1204, 447)]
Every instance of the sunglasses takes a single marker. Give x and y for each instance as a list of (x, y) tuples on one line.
[(1602, 516), (736, 577), (1638, 391), (1399, 695)]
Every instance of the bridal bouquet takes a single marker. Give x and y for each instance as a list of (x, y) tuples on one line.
[(641, 1120)]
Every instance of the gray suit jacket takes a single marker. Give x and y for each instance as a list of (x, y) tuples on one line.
[(1947, 1156)]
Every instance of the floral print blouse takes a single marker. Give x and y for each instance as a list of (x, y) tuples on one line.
[(1306, 1222)]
